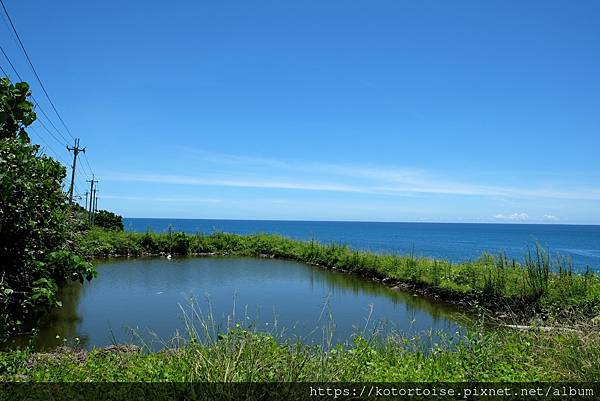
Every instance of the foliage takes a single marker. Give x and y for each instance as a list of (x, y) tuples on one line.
[(16, 112), (33, 218), (80, 218), (180, 244), (43, 293), (66, 265), (36, 225), (108, 220)]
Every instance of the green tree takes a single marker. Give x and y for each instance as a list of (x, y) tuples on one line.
[(16, 112), (35, 222), (108, 220)]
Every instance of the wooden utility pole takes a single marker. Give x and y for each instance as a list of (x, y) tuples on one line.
[(92, 195), (76, 149), (86, 200)]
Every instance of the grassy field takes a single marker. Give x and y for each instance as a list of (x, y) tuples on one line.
[(242, 356), (542, 287)]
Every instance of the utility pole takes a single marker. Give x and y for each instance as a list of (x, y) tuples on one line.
[(92, 195), (92, 203), (86, 200), (76, 149)]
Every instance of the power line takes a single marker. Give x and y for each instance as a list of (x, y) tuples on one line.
[(56, 154), (88, 164), (34, 70), (22, 46), (47, 145), (78, 183), (50, 132), (10, 63), (38, 132), (49, 120), (12, 34), (87, 169), (64, 141), (38, 106), (82, 172)]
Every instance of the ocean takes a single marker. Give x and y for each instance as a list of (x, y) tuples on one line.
[(452, 241)]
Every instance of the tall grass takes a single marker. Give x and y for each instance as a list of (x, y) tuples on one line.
[(246, 355), (540, 284), (538, 272)]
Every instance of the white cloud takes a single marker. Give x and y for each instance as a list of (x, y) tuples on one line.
[(253, 172), (152, 199), (250, 183), (512, 217), (550, 217)]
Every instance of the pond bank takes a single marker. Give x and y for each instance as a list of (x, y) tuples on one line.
[(502, 289), (243, 356), (502, 354)]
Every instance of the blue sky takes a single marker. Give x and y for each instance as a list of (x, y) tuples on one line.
[(363, 110)]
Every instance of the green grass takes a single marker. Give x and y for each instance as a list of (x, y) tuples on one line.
[(240, 355), (244, 356), (540, 287)]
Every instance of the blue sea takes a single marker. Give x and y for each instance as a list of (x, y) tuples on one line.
[(452, 241)]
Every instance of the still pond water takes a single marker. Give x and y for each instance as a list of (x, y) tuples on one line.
[(289, 299)]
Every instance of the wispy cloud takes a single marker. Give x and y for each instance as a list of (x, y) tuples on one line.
[(252, 172), (272, 184), (159, 199), (550, 217)]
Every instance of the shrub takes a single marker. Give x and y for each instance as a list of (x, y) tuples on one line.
[(35, 218), (181, 244), (108, 220)]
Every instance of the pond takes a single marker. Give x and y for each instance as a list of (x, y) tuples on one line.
[(146, 300)]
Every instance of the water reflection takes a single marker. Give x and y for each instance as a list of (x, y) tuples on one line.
[(145, 294)]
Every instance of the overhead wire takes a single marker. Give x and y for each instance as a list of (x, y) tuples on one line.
[(47, 145), (85, 158), (34, 70), (50, 132), (81, 169), (38, 106)]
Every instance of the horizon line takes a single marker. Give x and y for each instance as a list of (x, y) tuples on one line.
[(522, 223)]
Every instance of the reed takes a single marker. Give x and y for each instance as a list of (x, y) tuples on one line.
[(243, 354)]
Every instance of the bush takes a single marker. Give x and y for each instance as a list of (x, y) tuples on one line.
[(181, 244), (148, 243), (66, 265), (108, 220), (35, 218)]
